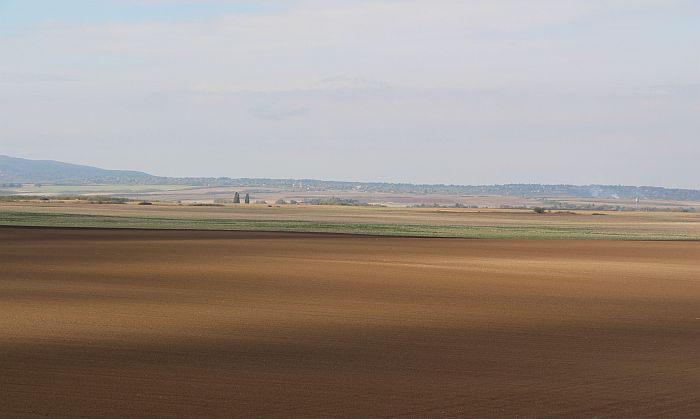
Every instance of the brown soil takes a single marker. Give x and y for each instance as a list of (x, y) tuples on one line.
[(123, 323)]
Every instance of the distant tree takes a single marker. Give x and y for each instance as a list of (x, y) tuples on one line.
[(237, 198), (247, 198), (280, 202), (538, 210)]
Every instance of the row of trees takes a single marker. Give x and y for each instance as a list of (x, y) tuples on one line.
[(237, 198)]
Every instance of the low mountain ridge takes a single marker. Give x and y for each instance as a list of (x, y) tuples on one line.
[(18, 170)]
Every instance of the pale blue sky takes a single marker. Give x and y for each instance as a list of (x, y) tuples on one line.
[(443, 91), (21, 12)]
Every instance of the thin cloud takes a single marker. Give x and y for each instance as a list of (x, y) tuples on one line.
[(439, 91)]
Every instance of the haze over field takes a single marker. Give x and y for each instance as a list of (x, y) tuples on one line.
[(478, 92), (19, 177)]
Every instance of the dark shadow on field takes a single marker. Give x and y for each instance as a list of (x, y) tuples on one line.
[(348, 371)]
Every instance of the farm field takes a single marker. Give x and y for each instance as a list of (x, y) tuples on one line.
[(138, 323), (424, 222), (209, 194)]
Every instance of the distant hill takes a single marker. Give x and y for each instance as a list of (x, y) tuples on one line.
[(16, 170)]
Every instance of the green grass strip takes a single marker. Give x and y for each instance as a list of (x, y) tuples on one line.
[(11, 218)]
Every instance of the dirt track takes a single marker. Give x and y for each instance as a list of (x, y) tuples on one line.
[(172, 323)]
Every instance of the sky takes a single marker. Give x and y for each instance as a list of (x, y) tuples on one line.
[(432, 91)]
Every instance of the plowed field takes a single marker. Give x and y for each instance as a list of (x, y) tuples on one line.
[(141, 323)]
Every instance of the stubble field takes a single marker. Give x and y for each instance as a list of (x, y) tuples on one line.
[(139, 323)]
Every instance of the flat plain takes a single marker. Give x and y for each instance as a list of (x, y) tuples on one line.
[(210, 194), (368, 220), (144, 323)]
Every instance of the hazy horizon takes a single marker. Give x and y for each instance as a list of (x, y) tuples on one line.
[(442, 92)]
